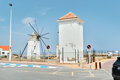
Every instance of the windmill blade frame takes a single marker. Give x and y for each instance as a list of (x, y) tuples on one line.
[(43, 42), (41, 46), (34, 29), (24, 49), (45, 34), (36, 26), (45, 37), (41, 30), (33, 49), (39, 37)]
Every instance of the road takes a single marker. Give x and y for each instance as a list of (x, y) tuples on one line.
[(25, 73)]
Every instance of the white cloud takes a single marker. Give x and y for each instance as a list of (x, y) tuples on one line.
[(28, 20), (44, 12)]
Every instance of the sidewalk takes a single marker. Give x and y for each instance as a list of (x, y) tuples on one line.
[(108, 64), (105, 64)]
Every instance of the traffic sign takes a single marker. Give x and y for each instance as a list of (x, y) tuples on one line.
[(48, 47), (89, 46)]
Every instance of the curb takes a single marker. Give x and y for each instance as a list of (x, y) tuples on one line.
[(25, 65)]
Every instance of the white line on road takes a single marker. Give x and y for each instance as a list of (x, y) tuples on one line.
[(56, 71), (107, 72), (91, 74), (72, 73)]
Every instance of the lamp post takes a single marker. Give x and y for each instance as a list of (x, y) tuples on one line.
[(10, 53)]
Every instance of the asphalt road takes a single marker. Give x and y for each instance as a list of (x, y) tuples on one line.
[(25, 73)]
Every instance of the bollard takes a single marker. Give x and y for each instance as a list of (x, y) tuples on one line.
[(79, 63), (93, 58), (99, 65), (82, 66), (95, 65), (90, 67)]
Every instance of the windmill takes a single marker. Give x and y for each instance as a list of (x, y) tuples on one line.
[(35, 44)]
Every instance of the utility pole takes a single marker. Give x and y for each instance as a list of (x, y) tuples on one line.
[(10, 53)]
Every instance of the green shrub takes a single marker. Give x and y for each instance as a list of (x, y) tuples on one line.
[(109, 57)]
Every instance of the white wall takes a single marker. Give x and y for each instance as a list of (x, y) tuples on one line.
[(6, 53), (71, 39), (0, 51), (31, 49)]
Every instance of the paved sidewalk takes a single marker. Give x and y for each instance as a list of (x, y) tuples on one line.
[(108, 64), (105, 64)]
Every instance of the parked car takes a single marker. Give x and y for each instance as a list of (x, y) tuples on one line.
[(110, 53), (116, 69)]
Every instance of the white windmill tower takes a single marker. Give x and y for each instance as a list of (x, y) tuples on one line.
[(34, 44), (33, 49)]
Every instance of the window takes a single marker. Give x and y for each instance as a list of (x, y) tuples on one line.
[(3, 52), (70, 59)]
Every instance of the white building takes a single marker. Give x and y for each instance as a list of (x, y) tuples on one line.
[(70, 39), (4, 51), (33, 50)]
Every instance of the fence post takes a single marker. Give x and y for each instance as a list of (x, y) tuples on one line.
[(62, 54), (88, 57), (59, 55), (94, 55), (91, 58), (44, 56), (78, 59), (99, 65), (75, 55), (95, 65), (20, 55)]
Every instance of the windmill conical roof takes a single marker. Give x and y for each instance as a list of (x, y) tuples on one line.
[(68, 16), (33, 37), (33, 33)]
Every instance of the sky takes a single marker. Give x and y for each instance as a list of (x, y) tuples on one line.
[(101, 21)]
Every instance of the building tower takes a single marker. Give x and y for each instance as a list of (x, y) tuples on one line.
[(70, 39), (33, 50)]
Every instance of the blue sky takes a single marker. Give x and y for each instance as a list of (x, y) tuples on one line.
[(101, 17)]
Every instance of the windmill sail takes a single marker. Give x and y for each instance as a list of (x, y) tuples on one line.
[(35, 43)]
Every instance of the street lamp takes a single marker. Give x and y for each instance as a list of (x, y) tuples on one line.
[(10, 53)]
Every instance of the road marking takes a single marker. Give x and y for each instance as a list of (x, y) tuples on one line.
[(25, 65), (72, 73), (107, 72), (81, 71), (22, 70), (91, 74), (56, 71)]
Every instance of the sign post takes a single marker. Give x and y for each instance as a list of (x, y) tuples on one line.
[(89, 52), (48, 49)]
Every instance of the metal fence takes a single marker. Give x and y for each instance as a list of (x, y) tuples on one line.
[(54, 58)]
